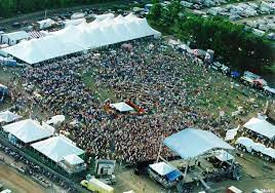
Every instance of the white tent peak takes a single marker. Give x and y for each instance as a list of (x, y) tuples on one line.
[(28, 130), (72, 39)]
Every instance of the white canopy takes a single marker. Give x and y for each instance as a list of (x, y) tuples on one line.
[(28, 130), (56, 119), (73, 159), (230, 134), (79, 38), (7, 116), (250, 145), (122, 107), (18, 35), (190, 142), (161, 168), (46, 23), (223, 155), (56, 148), (261, 127)]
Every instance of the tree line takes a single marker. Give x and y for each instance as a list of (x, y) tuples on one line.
[(10, 8), (237, 47)]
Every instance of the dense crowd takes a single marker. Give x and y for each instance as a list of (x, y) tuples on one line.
[(168, 85)]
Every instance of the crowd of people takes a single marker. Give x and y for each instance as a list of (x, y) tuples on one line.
[(167, 84)]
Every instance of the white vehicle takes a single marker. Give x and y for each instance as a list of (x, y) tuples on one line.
[(249, 77), (6, 191)]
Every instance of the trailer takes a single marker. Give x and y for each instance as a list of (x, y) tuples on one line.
[(97, 186)]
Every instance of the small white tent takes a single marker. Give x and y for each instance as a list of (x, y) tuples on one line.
[(7, 117), (122, 107)]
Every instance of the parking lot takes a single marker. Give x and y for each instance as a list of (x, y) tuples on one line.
[(257, 15)]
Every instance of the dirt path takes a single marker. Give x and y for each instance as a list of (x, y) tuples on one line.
[(17, 182)]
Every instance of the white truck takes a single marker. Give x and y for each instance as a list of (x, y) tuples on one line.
[(96, 185)]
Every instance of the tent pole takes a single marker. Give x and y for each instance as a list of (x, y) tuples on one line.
[(160, 148), (185, 171)]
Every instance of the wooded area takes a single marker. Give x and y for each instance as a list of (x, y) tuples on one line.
[(9, 8), (241, 49)]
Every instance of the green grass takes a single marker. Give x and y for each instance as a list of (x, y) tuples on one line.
[(101, 93)]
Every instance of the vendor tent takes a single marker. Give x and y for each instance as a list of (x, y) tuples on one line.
[(230, 134), (56, 148), (190, 143), (250, 145), (261, 127), (165, 170), (73, 39), (7, 117), (161, 168), (246, 142), (28, 130)]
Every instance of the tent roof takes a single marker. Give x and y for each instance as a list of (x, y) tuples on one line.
[(258, 147), (261, 127), (73, 159), (161, 168), (28, 130), (101, 32), (18, 35), (122, 107), (7, 116), (56, 119), (190, 143), (230, 134), (56, 148)]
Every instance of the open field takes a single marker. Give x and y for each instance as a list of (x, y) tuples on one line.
[(17, 182)]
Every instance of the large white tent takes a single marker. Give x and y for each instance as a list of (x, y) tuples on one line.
[(73, 39), (29, 130), (190, 143), (261, 127), (57, 148)]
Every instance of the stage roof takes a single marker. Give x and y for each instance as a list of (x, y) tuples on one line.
[(190, 143), (122, 107)]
